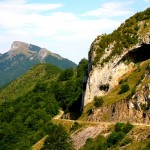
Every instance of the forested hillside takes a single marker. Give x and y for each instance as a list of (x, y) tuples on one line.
[(27, 108), (44, 73), (68, 89), (34, 99)]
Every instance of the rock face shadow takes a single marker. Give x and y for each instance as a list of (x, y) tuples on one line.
[(139, 54)]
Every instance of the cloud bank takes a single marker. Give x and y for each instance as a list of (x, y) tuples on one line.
[(65, 33)]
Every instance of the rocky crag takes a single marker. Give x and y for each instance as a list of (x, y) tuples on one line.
[(116, 57)]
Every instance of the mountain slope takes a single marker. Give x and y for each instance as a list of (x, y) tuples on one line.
[(26, 108), (23, 56), (39, 73)]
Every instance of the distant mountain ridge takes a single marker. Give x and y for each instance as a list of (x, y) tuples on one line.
[(22, 56)]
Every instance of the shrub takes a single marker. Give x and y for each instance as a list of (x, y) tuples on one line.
[(132, 93), (114, 138), (89, 140), (147, 147), (89, 111), (58, 139), (127, 128), (119, 127), (104, 87), (124, 88), (98, 101), (100, 143), (75, 126), (126, 141), (66, 74), (123, 81), (144, 107), (122, 127)]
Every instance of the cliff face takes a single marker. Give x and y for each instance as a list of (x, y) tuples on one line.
[(134, 110), (112, 56), (114, 61)]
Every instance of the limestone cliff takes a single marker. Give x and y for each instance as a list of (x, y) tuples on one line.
[(112, 56), (117, 60)]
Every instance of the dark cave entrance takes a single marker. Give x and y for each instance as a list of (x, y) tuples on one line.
[(139, 54)]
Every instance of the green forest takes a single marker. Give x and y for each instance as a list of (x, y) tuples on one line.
[(26, 119)]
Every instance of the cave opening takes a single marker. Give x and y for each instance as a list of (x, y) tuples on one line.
[(140, 54)]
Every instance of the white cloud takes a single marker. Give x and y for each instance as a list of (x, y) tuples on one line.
[(21, 6), (64, 33), (111, 9)]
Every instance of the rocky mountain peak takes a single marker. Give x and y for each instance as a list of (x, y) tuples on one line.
[(17, 48), (23, 56), (17, 45)]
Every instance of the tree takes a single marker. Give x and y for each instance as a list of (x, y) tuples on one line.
[(66, 75), (114, 138), (58, 139), (124, 88), (82, 67), (98, 101)]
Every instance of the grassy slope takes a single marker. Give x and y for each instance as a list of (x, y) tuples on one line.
[(39, 144), (138, 132), (132, 79), (26, 83)]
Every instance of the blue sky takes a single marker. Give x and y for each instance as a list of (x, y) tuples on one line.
[(66, 27)]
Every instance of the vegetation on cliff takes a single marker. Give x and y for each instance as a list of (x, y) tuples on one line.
[(122, 39)]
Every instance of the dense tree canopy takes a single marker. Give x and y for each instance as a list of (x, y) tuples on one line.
[(68, 88), (25, 120), (58, 139)]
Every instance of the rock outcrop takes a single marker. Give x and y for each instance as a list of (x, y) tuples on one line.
[(115, 57), (134, 110), (112, 56)]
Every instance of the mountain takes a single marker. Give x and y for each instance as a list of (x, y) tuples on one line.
[(116, 91), (22, 56), (113, 56)]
